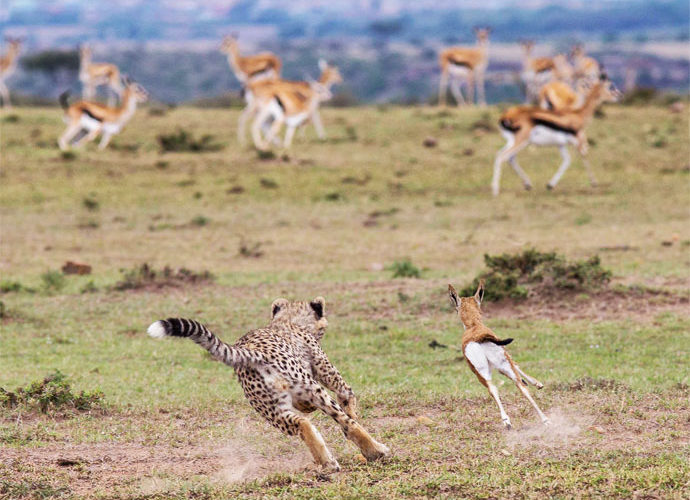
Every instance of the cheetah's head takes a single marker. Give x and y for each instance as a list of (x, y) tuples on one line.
[(309, 315)]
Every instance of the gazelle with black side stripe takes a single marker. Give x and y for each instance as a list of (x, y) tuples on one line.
[(290, 103), (466, 64), (89, 119), (524, 125), (265, 65)]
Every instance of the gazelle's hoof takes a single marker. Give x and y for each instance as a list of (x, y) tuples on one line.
[(508, 424), (539, 385), (547, 422), (549, 187), (528, 187)]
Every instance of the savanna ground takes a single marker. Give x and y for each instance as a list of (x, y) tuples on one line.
[(329, 219)]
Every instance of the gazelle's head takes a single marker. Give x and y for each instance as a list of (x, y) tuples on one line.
[(482, 35), (84, 51), (468, 308), (577, 52), (311, 316), (603, 90), (321, 91), (229, 44), (527, 46), (14, 44), (563, 67), (135, 90), (330, 75)]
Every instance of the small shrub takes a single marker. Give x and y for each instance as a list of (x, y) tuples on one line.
[(53, 281), (89, 287), (252, 250), (13, 118), (333, 196), (519, 275), (90, 204), (200, 221), (268, 183), (145, 276), (404, 269), (11, 286), (53, 393), (68, 155), (184, 141), (265, 155)]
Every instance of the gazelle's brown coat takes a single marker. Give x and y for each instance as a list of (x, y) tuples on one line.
[(484, 351), (465, 63), (8, 64), (586, 68), (250, 68), (92, 75), (559, 96)]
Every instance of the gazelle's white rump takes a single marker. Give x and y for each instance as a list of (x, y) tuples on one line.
[(486, 357)]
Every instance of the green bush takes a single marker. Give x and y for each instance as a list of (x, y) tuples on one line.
[(53, 281), (405, 269), (519, 275), (183, 141)]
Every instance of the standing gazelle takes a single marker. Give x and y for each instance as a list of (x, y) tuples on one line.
[(92, 75), (538, 71), (524, 125), (265, 65), (586, 68), (484, 352), (468, 64), (8, 63), (92, 118)]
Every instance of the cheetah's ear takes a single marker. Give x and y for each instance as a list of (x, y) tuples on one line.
[(319, 306), (454, 300), (479, 294), (277, 305)]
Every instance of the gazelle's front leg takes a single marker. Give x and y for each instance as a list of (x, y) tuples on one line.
[(105, 140), (583, 148), (521, 173), (258, 123), (456, 91), (561, 170), (442, 88), (249, 110), (516, 142), (289, 134), (67, 136), (481, 91), (318, 125), (5, 93), (470, 88), (88, 137)]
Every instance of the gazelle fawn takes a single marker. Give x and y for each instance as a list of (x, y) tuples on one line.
[(485, 352), (92, 75), (91, 118), (524, 125), (8, 63), (467, 64)]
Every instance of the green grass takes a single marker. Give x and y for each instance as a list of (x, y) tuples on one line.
[(330, 218)]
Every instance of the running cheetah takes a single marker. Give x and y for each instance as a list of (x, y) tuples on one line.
[(283, 372)]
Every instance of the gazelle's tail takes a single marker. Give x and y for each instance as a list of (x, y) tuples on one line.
[(180, 327)]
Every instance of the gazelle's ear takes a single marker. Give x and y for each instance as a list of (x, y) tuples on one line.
[(323, 64), (319, 306), (479, 294), (277, 305), (453, 295)]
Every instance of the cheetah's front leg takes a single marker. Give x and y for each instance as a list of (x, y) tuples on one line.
[(329, 376)]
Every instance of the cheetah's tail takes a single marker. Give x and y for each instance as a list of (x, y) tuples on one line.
[(180, 327)]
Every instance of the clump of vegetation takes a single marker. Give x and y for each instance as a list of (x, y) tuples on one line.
[(68, 155), (200, 221), (184, 141), (13, 118), (520, 275), (90, 204), (145, 276), (53, 281), (268, 183), (250, 249), (483, 124), (53, 393), (8, 286), (405, 269)]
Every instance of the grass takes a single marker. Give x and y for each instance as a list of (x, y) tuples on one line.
[(177, 424)]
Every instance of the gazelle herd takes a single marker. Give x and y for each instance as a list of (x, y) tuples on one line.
[(562, 94)]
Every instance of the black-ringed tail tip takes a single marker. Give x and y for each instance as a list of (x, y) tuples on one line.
[(157, 330)]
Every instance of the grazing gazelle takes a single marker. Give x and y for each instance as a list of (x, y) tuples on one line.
[(250, 68), (8, 63), (559, 96), (485, 353), (329, 77), (292, 103), (586, 68), (468, 64), (524, 125), (92, 75), (92, 118)]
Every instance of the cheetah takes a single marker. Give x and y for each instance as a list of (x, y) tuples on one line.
[(284, 373), (485, 353)]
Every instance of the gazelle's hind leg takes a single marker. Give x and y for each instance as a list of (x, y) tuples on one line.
[(582, 148), (529, 379), (72, 129), (457, 93), (87, 138), (508, 368), (370, 448), (515, 143), (521, 173), (477, 358), (318, 125), (443, 88), (5, 94)]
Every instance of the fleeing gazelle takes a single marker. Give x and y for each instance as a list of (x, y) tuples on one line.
[(8, 63), (524, 125), (485, 353), (92, 118)]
